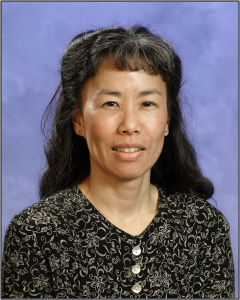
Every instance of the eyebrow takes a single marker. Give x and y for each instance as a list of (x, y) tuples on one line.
[(149, 92), (119, 94), (108, 92)]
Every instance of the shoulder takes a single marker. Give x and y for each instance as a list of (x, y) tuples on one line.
[(43, 209), (45, 216), (187, 206)]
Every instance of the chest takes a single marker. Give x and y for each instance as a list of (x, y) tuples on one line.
[(102, 262)]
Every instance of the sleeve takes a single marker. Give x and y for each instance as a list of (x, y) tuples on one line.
[(216, 268), (25, 271)]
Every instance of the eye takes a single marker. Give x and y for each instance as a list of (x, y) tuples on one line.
[(110, 103), (146, 104)]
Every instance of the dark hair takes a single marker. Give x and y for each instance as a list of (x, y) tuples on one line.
[(68, 162)]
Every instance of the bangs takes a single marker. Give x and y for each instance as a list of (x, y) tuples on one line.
[(131, 56)]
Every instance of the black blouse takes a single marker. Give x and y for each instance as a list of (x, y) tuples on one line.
[(63, 247)]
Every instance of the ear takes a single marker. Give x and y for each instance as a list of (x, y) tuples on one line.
[(78, 126), (167, 126)]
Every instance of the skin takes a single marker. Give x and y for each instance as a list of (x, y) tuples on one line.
[(123, 108)]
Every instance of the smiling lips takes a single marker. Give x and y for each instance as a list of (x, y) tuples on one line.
[(127, 150)]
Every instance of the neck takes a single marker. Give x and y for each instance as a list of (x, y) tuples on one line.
[(119, 198)]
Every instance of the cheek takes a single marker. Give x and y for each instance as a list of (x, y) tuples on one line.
[(157, 125), (97, 129), (157, 128)]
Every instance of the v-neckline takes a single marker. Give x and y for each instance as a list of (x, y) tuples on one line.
[(82, 195)]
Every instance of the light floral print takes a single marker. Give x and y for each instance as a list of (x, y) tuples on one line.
[(62, 247)]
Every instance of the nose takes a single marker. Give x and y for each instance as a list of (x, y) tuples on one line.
[(130, 122)]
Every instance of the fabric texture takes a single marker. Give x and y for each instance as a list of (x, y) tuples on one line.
[(63, 247)]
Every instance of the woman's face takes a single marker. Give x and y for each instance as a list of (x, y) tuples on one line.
[(124, 119)]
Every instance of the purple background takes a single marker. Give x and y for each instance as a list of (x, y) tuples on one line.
[(205, 35)]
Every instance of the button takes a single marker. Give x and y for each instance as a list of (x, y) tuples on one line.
[(136, 269), (136, 288), (136, 250)]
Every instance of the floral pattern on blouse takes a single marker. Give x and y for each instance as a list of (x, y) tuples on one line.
[(63, 247)]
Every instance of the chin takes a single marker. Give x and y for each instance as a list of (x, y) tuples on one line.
[(129, 176)]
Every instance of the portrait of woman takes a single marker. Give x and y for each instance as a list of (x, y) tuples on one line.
[(124, 209)]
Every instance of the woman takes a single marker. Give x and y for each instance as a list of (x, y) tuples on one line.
[(123, 210)]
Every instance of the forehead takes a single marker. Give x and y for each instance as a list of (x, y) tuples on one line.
[(108, 74)]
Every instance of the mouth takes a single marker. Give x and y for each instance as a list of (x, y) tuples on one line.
[(127, 150)]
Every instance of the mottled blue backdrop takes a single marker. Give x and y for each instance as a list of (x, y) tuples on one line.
[(205, 35)]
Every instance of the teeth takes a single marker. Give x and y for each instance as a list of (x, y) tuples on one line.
[(127, 150)]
